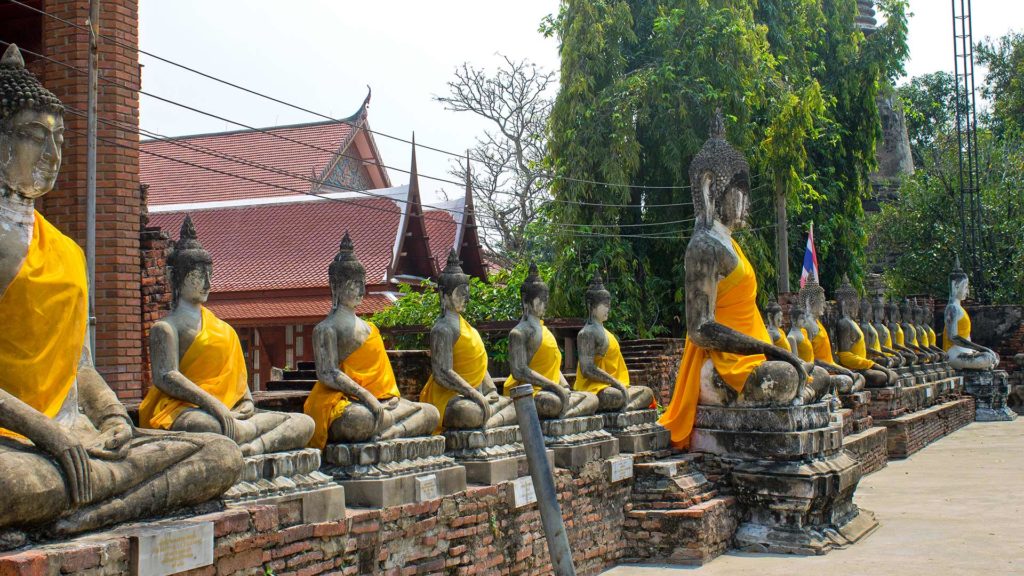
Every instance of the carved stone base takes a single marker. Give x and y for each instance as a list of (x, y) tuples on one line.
[(394, 472), (793, 481), (290, 479), (990, 389), (638, 431), (577, 441), (490, 456)]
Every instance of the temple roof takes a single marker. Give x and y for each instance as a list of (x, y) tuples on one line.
[(249, 164)]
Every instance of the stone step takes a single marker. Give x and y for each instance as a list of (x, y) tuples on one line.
[(691, 536), (910, 433), (869, 448)]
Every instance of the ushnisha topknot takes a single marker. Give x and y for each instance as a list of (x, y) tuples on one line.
[(811, 289), (533, 286), (345, 265), (726, 165), (846, 291), (187, 255), (958, 273), (596, 292), (773, 306), (452, 276), (20, 89)]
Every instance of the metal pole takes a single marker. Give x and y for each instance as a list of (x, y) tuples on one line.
[(543, 481), (90, 178)]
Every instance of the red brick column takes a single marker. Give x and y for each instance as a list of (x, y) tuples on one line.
[(118, 353)]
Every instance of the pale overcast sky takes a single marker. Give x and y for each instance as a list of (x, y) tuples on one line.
[(321, 54)]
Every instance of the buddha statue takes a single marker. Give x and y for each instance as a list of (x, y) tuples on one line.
[(876, 350), (773, 315), (460, 387), (200, 381), (70, 459), (963, 354), (926, 335), (602, 370), (535, 359), (812, 298), (356, 397), (852, 342), (910, 334), (895, 327), (728, 356)]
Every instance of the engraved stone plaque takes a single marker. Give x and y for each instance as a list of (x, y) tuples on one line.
[(523, 493), (621, 467), (426, 488), (172, 549)]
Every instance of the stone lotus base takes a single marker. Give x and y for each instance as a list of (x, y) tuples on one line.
[(490, 456), (637, 431), (290, 479), (990, 389), (394, 472), (578, 441), (791, 477)]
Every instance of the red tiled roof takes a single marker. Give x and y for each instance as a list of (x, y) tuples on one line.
[(289, 245), (287, 307), (307, 151), (441, 233)]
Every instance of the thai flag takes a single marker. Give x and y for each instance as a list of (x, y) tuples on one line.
[(810, 269)]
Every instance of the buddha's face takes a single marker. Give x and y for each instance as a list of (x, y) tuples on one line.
[(960, 289), (458, 299), (894, 313), (816, 304), (878, 309), (351, 292), (775, 318), (195, 288), (850, 308), (865, 310), (599, 311), (733, 209), (537, 306), (30, 152)]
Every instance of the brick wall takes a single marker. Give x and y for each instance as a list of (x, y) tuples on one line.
[(472, 532), (118, 352)]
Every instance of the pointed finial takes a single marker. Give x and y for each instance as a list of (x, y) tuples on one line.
[(188, 229), (453, 261), (716, 126), (534, 275), (956, 263), (12, 57), (346, 244), (597, 281)]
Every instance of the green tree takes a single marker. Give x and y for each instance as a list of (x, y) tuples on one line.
[(639, 79)]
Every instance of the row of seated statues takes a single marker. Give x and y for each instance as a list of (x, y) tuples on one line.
[(72, 460)]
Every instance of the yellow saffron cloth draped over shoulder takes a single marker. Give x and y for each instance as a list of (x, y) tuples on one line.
[(735, 307), (822, 345), (804, 350), (611, 362), (931, 336), (898, 336), (469, 360), (369, 367), (42, 322), (546, 361), (214, 362), (856, 358), (963, 329), (782, 342), (886, 337)]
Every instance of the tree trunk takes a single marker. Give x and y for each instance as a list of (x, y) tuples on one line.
[(781, 240)]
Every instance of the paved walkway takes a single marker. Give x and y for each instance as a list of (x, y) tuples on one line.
[(954, 508)]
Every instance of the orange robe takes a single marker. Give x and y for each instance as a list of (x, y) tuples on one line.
[(469, 360), (43, 318), (611, 362), (369, 367), (214, 362), (823, 345), (856, 358), (735, 307), (546, 361)]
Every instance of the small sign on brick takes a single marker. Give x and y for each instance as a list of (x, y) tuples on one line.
[(426, 488), (172, 549), (523, 493), (621, 467)]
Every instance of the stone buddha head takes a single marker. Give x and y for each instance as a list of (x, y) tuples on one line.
[(959, 286), (866, 314), (773, 313), (191, 267), (893, 310), (31, 130), (907, 310), (347, 276), (534, 294), (797, 316), (848, 299), (812, 299), (453, 286), (598, 299), (720, 180)]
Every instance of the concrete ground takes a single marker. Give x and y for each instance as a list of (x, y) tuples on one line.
[(954, 508)]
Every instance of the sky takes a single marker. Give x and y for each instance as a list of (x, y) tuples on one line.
[(322, 54)]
